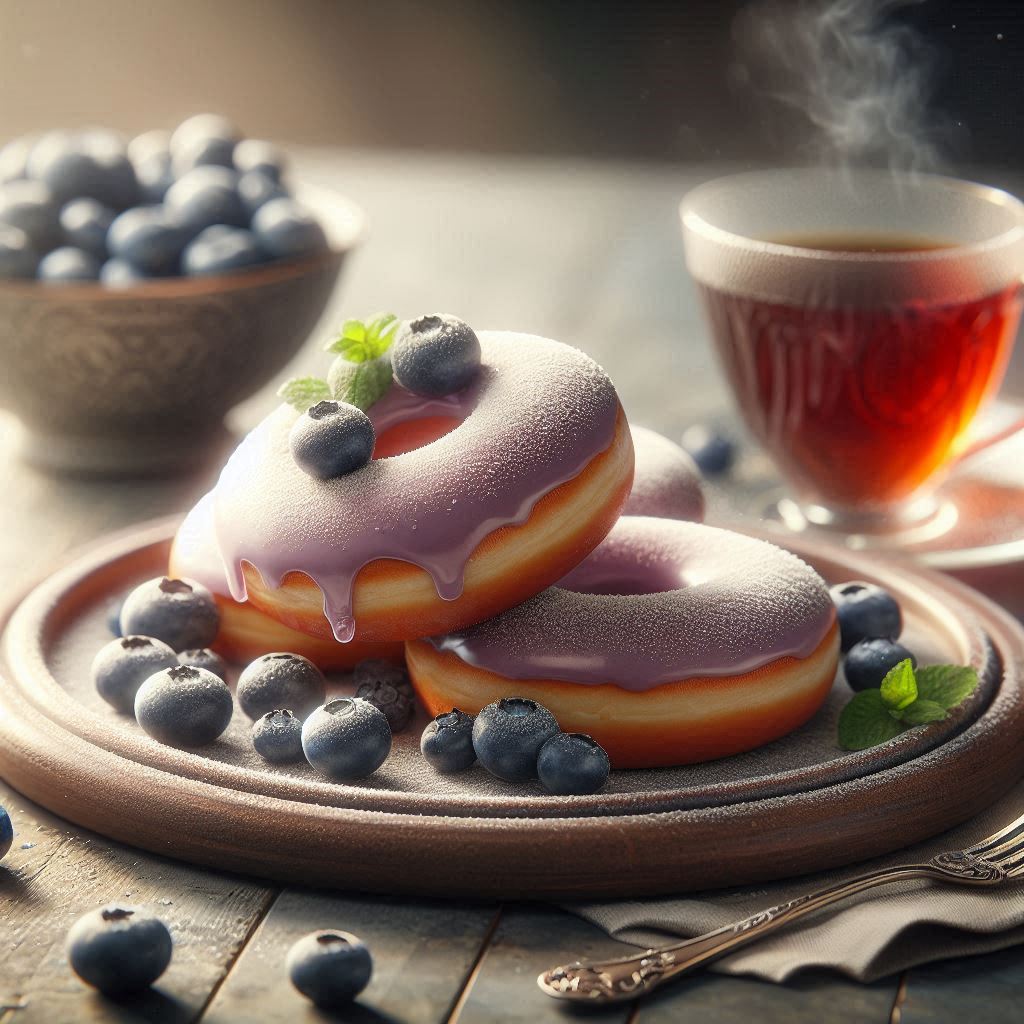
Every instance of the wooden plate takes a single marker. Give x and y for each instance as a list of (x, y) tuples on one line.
[(797, 805)]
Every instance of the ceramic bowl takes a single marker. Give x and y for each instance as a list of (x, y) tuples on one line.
[(139, 379)]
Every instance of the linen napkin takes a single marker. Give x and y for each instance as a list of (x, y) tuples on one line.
[(880, 932)]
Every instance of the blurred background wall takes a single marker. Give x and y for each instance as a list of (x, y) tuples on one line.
[(679, 80)]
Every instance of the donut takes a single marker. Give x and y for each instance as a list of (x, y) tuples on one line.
[(672, 643), (245, 632), (472, 503), (666, 481)]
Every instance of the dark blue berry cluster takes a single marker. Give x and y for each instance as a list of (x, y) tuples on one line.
[(870, 623)]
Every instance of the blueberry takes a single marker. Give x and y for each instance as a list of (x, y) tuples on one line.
[(114, 618), (386, 687), (281, 680), (712, 450), (262, 157), (184, 706), (868, 661), (865, 612), (6, 832), (219, 249), (93, 165), (68, 265), (119, 949), (332, 439), (182, 613), (155, 175), (17, 257), (572, 762), (122, 666), (147, 238), (447, 742), (202, 126), (435, 355), (143, 146), (347, 738), (31, 207), (208, 152), (508, 735), (277, 736), (121, 274), (203, 657), (286, 229), (330, 968), (206, 196), (256, 188), (85, 223), (14, 159)]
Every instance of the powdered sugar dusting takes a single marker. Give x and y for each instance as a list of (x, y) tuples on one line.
[(666, 481), (536, 415), (740, 604)]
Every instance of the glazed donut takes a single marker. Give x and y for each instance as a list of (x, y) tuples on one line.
[(472, 503), (245, 632), (672, 643), (666, 481)]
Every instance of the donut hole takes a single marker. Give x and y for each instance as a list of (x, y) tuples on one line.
[(623, 579), (409, 435)]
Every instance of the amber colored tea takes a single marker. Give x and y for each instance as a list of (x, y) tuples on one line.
[(860, 406)]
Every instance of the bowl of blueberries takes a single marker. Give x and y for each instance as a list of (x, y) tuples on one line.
[(148, 286)]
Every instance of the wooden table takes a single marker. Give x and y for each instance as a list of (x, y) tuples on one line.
[(586, 253)]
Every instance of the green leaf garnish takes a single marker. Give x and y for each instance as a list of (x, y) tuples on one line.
[(899, 688), (866, 722), (946, 685), (302, 392), (923, 711), (360, 383), (363, 341)]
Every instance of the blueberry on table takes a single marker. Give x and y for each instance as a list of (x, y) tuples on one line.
[(330, 967), (17, 257), (572, 763), (378, 670), (31, 207), (280, 680), (868, 662), (203, 657), (256, 188), (182, 613), (286, 229), (277, 736), (123, 665), (147, 238), (121, 274), (219, 250), (85, 223), (6, 832), (435, 355), (206, 196), (155, 176), (865, 612), (259, 156), (68, 265), (387, 687), (508, 735), (347, 738), (331, 439), (713, 451), (447, 742), (119, 949), (184, 706)]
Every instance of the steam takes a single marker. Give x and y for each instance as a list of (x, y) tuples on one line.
[(861, 81)]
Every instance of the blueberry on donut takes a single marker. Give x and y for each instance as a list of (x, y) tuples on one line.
[(672, 643)]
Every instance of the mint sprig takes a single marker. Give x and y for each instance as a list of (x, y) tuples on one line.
[(302, 392), (362, 341), (360, 383), (906, 698)]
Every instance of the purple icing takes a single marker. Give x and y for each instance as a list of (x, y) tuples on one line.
[(666, 481), (740, 603), (536, 415)]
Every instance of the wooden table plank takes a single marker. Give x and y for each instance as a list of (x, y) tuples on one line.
[(529, 939), (56, 872), (985, 989), (422, 953)]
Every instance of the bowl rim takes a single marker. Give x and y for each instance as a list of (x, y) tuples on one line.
[(341, 240)]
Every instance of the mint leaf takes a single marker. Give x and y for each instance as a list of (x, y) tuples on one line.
[(360, 383), (361, 342), (380, 331), (946, 685), (899, 687), (922, 711), (302, 392), (866, 722)]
